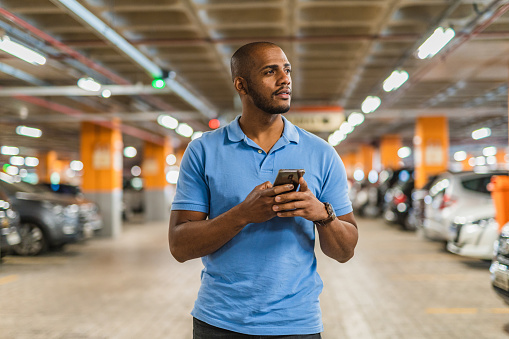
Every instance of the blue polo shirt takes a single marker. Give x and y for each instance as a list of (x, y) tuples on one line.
[(264, 280)]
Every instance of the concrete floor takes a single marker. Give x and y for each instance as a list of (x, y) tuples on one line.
[(397, 286)]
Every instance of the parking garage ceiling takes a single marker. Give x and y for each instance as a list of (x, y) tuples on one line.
[(341, 52)]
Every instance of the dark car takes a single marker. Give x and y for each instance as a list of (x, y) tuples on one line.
[(46, 220), (419, 197), (399, 200), (9, 221), (500, 265), (89, 216)]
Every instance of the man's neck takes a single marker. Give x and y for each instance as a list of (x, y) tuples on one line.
[(264, 129)]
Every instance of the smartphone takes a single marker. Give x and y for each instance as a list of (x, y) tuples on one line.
[(289, 176)]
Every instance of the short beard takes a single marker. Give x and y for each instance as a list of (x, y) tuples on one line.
[(265, 105)]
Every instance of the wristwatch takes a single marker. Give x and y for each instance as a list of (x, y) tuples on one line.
[(331, 215)]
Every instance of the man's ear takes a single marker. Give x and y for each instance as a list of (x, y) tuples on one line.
[(240, 85)]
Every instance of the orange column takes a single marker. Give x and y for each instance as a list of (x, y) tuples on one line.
[(157, 191), (101, 154), (389, 146), (365, 159), (431, 144), (466, 163), (349, 160), (47, 165)]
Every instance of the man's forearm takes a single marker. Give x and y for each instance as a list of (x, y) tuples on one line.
[(338, 239), (195, 239)]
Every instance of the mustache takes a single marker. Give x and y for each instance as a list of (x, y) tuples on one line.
[(284, 88)]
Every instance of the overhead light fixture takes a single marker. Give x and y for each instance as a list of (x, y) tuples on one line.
[(196, 135), (435, 42), (158, 83), (76, 165), (355, 118), (489, 151), (167, 121), (370, 104), (9, 150), (336, 137), (184, 130), (20, 51), (31, 161), (395, 80), (346, 128), (481, 133), (460, 156), (106, 93), (17, 160), (404, 152), (28, 131), (89, 84), (130, 152)]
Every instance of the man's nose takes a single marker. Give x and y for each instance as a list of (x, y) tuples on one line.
[(285, 78)]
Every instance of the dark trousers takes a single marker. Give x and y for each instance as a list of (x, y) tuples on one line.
[(202, 330)]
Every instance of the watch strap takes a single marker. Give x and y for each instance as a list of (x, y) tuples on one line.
[(331, 215)]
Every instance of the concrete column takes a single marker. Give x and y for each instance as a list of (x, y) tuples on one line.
[(389, 146), (157, 191), (101, 154), (365, 159), (431, 148)]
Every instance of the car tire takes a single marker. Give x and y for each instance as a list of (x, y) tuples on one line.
[(33, 241)]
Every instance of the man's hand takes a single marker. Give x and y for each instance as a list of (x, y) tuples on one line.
[(299, 204), (257, 207)]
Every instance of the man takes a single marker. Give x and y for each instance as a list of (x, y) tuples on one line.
[(256, 241)]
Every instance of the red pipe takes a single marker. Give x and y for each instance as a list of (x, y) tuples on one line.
[(135, 132)]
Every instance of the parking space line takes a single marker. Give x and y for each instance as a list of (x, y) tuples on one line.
[(9, 278), (499, 310), (452, 310)]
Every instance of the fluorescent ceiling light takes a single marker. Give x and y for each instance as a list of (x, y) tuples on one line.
[(370, 104), (184, 130), (167, 121), (28, 131), (346, 128), (130, 152), (336, 137), (20, 51), (89, 84), (460, 156), (404, 152), (435, 42), (31, 161), (355, 118), (196, 135), (171, 159), (106, 93), (481, 133), (9, 150), (76, 165), (489, 151), (395, 80), (17, 161)]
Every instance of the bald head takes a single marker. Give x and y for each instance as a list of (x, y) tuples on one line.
[(242, 60)]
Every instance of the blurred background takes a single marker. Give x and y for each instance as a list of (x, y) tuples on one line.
[(99, 99)]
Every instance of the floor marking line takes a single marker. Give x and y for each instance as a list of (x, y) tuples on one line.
[(453, 310), (9, 278)]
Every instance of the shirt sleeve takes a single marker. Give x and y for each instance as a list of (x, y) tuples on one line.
[(192, 193), (335, 185)]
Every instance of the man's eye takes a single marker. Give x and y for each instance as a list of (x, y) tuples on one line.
[(269, 72), (288, 71)]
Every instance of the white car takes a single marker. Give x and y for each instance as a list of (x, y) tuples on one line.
[(474, 233), (450, 196)]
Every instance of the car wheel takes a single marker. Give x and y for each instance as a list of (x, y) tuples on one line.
[(32, 242)]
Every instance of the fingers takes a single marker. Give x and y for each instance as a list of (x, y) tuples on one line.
[(288, 206), (303, 185), (281, 189), (263, 186)]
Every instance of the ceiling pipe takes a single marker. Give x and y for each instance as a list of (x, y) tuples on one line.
[(76, 91), (133, 131), (88, 18), (90, 63)]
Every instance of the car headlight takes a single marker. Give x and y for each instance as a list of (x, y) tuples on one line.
[(505, 231), (483, 222)]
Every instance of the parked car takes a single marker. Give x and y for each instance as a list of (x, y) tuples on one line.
[(419, 197), (450, 194), (9, 222), (46, 220), (473, 232), (89, 216), (399, 201), (499, 268)]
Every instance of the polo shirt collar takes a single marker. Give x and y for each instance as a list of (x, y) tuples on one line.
[(235, 133)]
